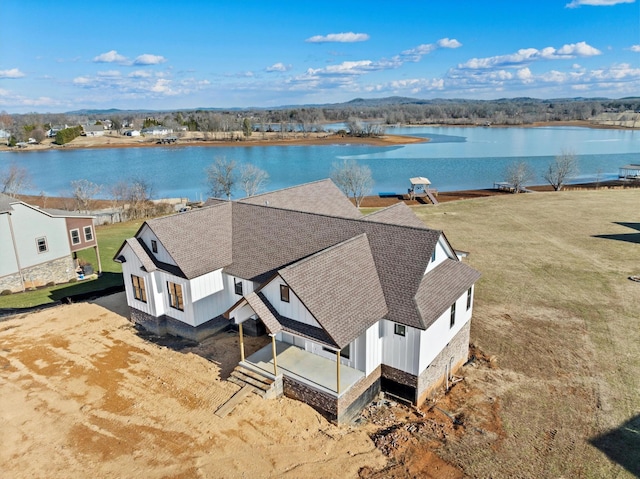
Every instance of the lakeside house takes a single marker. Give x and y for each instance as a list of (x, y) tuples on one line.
[(39, 245), (354, 304), (157, 130), (93, 130)]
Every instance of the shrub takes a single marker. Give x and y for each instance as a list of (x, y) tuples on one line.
[(5, 292), (68, 134)]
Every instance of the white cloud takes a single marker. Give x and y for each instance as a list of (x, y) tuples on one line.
[(148, 59), (109, 73), (596, 3), (635, 48), (349, 37), (111, 56), (525, 75), (415, 54), (13, 73), (449, 43), (529, 55), (139, 74), (278, 67)]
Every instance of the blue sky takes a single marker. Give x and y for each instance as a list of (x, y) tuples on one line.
[(63, 56)]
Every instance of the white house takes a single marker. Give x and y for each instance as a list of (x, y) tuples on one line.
[(354, 304), (93, 130), (39, 245), (157, 130)]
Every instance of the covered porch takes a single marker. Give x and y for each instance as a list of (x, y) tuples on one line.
[(280, 358)]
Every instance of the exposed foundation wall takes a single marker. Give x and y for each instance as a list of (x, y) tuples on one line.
[(453, 356), (57, 271), (164, 325)]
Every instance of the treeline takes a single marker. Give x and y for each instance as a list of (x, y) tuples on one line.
[(312, 118), (68, 134)]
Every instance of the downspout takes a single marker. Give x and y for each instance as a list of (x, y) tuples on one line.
[(15, 251)]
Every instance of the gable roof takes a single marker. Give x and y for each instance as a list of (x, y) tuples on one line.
[(340, 288), (398, 214), (199, 241), (321, 197), (442, 286)]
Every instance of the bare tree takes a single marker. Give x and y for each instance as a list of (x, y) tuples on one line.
[(252, 179), (38, 134), (518, 175), (563, 167), (354, 180), (14, 180), (84, 191), (221, 177)]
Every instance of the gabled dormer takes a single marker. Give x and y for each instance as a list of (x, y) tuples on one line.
[(441, 252)]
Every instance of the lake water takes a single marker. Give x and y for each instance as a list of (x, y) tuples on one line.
[(454, 159)]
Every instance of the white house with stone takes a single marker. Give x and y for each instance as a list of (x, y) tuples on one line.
[(39, 246), (354, 304)]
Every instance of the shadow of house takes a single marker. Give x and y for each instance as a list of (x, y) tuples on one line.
[(622, 445), (628, 237)]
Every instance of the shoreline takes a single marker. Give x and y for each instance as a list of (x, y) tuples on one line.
[(313, 139)]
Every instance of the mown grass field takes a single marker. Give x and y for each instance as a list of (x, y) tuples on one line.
[(556, 308), (110, 238)]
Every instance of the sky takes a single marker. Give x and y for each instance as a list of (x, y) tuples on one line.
[(169, 55)]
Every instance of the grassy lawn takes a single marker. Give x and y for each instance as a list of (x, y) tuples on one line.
[(110, 238), (556, 308)]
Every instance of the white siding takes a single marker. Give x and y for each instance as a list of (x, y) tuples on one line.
[(30, 224), (373, 350), (206, 285), (162, 255), (400, 352), (8, 263), (133, 266), (294, 309), (439, 334), (442, 252)]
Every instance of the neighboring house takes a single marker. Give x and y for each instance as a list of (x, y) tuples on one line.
[(354, 304), (132, 133), (39, 245), (51, 132), (93, 130), (156, 130), (4, 136)]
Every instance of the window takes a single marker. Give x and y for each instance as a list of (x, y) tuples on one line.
[(154, 246), (88, 233), (346, 352), (41, 243), (284, 293), (175, 296), (138, 288), (433, 255), (75, 236), (400, 329), (469, 298), (237, 285), (453, 315)]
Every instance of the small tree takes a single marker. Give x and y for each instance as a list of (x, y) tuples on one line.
[(246, 127), (38, 134), (354, 180), (84, 191), (563, 167), (519, 174), (252, 179), (14, 180), (221, 177)]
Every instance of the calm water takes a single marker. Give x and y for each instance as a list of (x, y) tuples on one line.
[(454, 159)]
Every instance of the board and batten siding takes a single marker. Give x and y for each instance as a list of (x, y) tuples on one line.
[(435, 338), (401, 352), (30, 224), (8, 260), (133, 266), (162, 255), (294, 309), (209, 297)]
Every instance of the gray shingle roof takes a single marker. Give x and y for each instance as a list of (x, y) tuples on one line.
[(321, 197), (199, 241), (259, 307), (441, 286), (398, 214), (340, 288)]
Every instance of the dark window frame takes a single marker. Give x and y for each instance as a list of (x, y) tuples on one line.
[(452, 318), (88, 237), (42, 247), (399, 329), (154, 246), (284, 293), (469, 295), (139, 288), (176, 299), (346, 352), (74, 238), (237, 287)]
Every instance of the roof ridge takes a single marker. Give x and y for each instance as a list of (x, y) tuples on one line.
[(323, 251), (285, 189)]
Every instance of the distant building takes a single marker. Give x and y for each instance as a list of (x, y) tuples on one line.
[(39, 245), (157, 130), (93, 130)]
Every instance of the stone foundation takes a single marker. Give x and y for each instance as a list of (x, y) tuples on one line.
[(164, 325), (11, 282), (57, 271)]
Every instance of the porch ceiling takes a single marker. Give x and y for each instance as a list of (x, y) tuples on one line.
[(305, 367)]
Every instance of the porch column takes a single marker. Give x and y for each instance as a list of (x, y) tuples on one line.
[(338, 371), (97, 251), (241, 342), (273, 349)]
